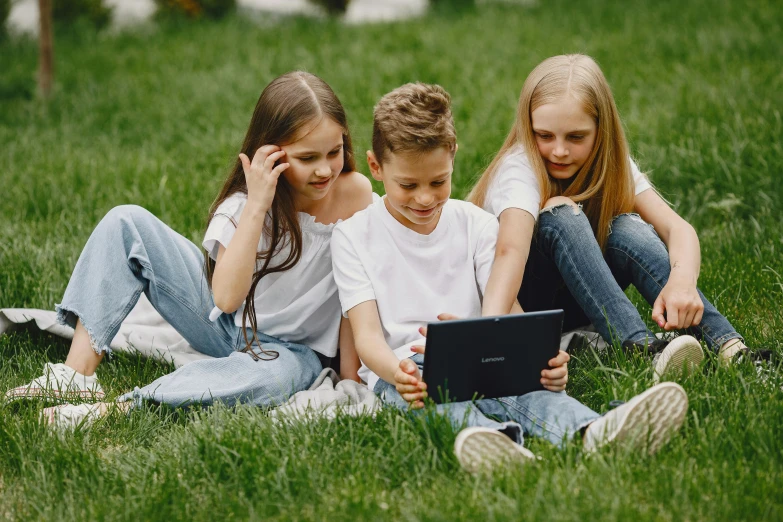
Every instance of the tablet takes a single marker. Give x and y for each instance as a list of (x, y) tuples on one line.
[(490, 357)]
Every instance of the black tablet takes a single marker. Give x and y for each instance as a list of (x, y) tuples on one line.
[(490, 357)]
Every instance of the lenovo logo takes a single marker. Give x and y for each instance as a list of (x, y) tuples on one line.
[(492, 359)]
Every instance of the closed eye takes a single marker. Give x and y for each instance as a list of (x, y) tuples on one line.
[(438, 183), (408, 187), (543, 136), (335, 152)]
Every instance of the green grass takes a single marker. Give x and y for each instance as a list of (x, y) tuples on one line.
[(155, 117)]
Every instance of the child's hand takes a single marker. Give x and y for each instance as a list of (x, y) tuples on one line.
[(441, 317), (261, 175), (681, 303), (556, 379), (407, 380)]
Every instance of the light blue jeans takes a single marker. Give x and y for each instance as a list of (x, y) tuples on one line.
[(130, 252), (553, 416), (566, 269)]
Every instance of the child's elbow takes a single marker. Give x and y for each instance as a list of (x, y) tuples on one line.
[(683, 229), (226, 303)]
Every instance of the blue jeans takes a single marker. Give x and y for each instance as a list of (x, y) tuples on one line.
[(130, 252), (566, 269), (549, 415)]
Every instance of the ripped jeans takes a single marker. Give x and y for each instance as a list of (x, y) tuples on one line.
[(130, 252), (566, 269)]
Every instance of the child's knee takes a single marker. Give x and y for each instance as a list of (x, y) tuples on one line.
[(627, 229), (564, 216), (126, 213), (553, 204)]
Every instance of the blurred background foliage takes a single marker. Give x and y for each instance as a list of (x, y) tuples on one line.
[(5, 10), (195, 9), (333, 7), (94, 12)]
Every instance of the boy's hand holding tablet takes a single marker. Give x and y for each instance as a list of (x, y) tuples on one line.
[(413, 389)]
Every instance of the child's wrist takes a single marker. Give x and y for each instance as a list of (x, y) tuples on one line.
[(255, 209), (683, 275)]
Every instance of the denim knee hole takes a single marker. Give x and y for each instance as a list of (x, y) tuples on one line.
[(553, 209), (633, 216)]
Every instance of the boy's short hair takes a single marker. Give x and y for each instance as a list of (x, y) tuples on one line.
[(414, 118)]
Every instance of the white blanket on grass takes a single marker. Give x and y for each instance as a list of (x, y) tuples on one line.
[(327, 397), (144, 331)]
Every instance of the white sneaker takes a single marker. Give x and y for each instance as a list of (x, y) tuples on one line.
[(72, 416), (646, 421), (681, 352), (57, 383), (483, 449)]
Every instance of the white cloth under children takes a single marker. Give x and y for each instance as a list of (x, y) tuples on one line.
[(298, 305), (327, 397), (143, 331), (515, 184), (374, 254)]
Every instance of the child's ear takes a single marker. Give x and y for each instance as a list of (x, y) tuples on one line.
[(375, 167)]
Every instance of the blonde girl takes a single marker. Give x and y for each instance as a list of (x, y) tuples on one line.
[(260, 298), (579, 223)]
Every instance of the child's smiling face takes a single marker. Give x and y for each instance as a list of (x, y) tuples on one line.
[(315, 159), (417, 185), (565, 135)]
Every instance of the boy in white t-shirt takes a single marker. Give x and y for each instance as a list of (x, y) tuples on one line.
[(415, 256)]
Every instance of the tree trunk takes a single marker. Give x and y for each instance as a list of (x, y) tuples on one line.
[(46, 66)]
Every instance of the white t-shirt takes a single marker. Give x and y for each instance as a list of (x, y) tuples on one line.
[(299, 305), (411, 276), (515, 185)]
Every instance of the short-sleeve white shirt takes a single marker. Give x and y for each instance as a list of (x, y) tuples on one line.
[(299, 305), (413, 277), (515, 185)]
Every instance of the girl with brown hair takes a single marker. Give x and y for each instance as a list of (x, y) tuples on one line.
[(261, 299), (579, 223)]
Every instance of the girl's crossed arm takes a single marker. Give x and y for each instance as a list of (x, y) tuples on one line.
[(511, 253), (679, 298)]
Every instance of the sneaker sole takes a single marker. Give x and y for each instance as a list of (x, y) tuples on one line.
[(483, 449), (71, 416), (17, 394), (653, 420), (684, 351)]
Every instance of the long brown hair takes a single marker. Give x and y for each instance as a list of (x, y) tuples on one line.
[(604, 183), (289, 104)]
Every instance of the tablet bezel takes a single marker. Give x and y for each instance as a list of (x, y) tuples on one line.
[(490, 357)]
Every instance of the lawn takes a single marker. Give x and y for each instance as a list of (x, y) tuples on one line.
[(155, 117)]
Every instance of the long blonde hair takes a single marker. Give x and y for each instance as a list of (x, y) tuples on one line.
[(604, 185)]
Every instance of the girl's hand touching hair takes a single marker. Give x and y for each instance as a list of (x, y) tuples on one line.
[(261, 175), (681, 303)]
